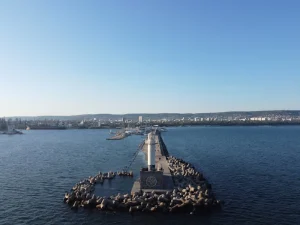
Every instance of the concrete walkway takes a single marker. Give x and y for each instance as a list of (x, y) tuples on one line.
[(160, 163)]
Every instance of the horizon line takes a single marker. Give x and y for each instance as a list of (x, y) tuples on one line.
[(120, 114)]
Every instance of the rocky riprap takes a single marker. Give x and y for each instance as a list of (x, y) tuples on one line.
[(192, 193)]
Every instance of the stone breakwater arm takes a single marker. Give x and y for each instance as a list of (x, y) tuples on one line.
[(118, 136), (163, 147), (196, 196), (185, 189)]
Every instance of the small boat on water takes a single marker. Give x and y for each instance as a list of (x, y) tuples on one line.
[(162, 129), (139, 133), (12, 131), (111, 132)]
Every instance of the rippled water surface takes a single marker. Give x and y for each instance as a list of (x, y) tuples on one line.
[(255, 170)]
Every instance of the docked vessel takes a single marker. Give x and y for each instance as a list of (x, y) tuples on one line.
[(11, 130)]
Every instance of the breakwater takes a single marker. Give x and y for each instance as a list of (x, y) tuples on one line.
[(118, 136), (163, 147), (82, 194), (184, 189)]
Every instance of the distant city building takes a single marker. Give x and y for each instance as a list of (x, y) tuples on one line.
[(140, 119)]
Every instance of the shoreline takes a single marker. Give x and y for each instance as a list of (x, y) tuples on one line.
[(180, 125)]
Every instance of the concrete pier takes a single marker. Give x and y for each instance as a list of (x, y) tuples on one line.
[(118, 136), (161, 164), (168, 185)]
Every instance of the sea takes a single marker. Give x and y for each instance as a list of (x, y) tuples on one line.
[(254, 170)]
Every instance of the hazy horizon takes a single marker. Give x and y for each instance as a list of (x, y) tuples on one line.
[(71, 58), (141, 113)]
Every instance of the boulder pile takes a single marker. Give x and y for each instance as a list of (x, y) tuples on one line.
[(125, 173), (185, 174), (192, 193)]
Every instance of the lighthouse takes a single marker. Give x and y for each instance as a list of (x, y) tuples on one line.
[(151, 152), (151, 178)]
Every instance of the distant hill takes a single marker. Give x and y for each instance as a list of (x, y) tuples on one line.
[(154, 116)]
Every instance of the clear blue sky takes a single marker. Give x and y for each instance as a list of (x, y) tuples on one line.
[(71, 57)]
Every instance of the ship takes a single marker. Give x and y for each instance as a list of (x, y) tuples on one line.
[(11, 130)]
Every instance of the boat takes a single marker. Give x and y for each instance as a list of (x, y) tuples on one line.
[(139, 133), (11, 131), (162, 129)]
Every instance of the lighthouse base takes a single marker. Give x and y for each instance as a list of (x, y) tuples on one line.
[(151, 179)]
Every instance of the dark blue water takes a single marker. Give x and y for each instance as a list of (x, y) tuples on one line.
[(255, 170)]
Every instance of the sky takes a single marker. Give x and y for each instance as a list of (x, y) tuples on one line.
[(75, 57)]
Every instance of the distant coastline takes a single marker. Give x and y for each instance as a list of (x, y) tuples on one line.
[(113, 121), (236, 123), (208, 124), (155, 116)]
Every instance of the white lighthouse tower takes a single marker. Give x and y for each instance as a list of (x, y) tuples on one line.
[(151, 177), (151, 152)]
